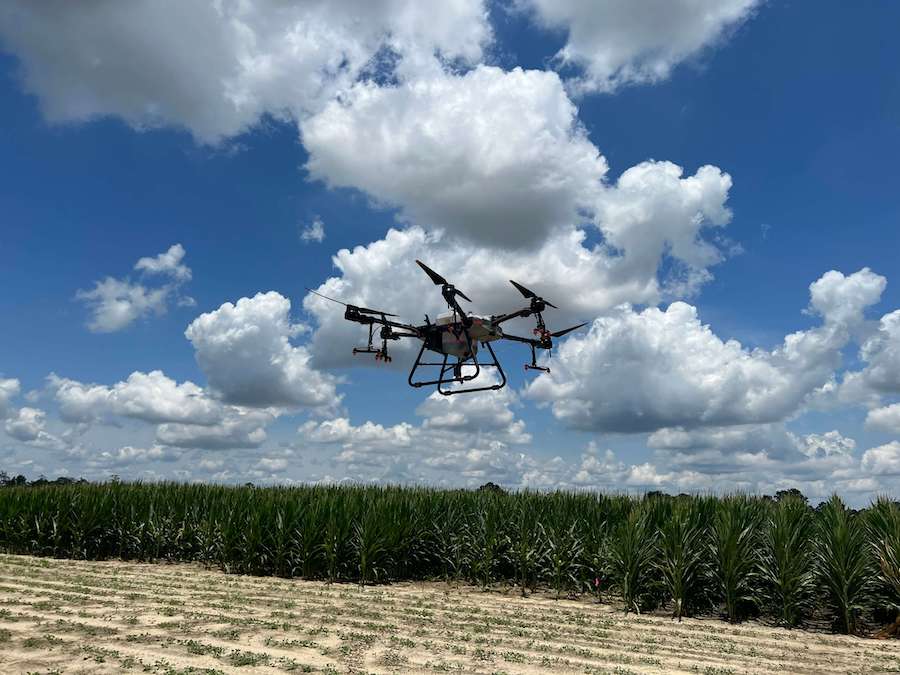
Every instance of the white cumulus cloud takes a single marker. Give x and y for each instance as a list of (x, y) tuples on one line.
[(29, 426), (246, 353), (140, 60), (885, 418), (153, 397), (9, 389), (496, 157), (117, 303), (648, 370), (883, 460), (618, 43)]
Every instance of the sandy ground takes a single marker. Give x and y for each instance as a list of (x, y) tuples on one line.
[(87, 617)]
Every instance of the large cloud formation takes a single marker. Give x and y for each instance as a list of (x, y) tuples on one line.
[(497, 157), (500, 159), (652, 214), (618, 43), (140, 60), (642, 371)]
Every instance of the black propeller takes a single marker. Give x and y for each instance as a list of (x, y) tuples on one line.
[(560, 333), (441, 281), (531, 294)]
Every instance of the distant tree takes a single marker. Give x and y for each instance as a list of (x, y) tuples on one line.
[(4, 478), (18, 481), (491, 487), (792, 493)]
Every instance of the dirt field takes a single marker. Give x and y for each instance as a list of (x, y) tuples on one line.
[(66, 616)]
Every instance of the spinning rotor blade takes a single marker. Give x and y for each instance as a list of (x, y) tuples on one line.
[(440, 281), (435, 277), (524, 291), (531, 294), (363, 310), (560, 333)]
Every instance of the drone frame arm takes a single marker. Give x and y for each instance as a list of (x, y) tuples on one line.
[(523, 313), (354, 314)]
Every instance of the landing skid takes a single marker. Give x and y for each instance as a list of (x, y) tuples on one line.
[(455, 370)]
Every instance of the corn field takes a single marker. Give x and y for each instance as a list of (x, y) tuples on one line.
[(735, 556)]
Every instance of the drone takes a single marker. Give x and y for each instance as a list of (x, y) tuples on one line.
[(455, 335)]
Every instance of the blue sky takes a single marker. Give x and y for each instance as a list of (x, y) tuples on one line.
[(110, 158)]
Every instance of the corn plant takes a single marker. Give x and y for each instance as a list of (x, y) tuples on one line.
[(735, 544), (564, 550), (843, 563), (680, 556), (631, 556), (786, 563), (527, 547)]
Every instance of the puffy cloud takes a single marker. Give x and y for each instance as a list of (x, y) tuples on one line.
[(842, 299), (339, 430), (139, 60), (117, 303), (127, 456), (883, 460), (315, 231), (186, 415), (9, 389), (245, 351), (169, 263), (648, 370), (618, 43), (486, 412), (829, 444), (240, 428), (881, 353), (886, 418), (467, 435), (273, 464), (582, 280), (29, 426), (655, 211), (496, 157), (511, 170), (152, 397)]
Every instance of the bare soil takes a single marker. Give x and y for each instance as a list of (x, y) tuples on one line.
[(110, 617)]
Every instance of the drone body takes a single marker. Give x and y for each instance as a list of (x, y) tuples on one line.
[(455, 336)]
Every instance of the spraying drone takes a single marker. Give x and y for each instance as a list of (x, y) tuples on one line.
[(455, 335)]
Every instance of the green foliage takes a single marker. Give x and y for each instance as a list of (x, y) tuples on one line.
[(681, 556), (631, 560), (844, 563), (735, 546), (684, 552), (786, 564)]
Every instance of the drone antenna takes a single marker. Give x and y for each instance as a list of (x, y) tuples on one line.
[(364, 310)]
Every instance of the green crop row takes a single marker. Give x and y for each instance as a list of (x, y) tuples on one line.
[(740, 556)]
